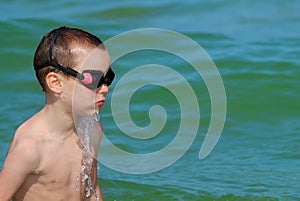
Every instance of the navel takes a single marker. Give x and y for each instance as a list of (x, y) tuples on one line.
[(52, 180)]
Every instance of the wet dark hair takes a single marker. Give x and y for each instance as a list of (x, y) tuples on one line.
[(66, 38)]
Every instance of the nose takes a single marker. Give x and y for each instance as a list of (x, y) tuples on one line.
[(103, 89)]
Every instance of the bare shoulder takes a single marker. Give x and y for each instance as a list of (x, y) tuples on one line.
[(25, 137), (25, 144), (23, 159)]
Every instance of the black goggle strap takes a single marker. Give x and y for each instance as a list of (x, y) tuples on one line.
[(66, 70), (57, 32), (53, 63)]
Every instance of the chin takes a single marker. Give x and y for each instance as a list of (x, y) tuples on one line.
[(86, 112)]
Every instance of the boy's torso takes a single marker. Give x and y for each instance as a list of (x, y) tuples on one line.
[(58, 175)]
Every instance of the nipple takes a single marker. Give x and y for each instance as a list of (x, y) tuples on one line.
[(88, 79)]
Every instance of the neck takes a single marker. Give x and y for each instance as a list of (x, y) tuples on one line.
[(59, 119)]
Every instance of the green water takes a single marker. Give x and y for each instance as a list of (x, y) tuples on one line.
[(255, 46)]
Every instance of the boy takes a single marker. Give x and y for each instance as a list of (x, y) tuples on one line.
[(45, 158)]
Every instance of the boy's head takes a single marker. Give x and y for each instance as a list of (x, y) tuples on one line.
[(57, 50)]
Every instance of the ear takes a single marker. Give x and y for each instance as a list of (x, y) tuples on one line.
[(54, 82)]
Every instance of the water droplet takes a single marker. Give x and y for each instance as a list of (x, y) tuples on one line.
[(88, 192), (97, 117)]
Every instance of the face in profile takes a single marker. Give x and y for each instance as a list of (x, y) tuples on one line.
[(89, 92)]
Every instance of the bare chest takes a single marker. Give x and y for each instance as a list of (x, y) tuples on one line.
[(58, 175), (61, 164)]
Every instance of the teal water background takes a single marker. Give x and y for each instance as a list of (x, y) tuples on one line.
[(254, 44)]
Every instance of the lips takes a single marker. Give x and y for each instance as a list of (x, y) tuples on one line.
[(100, 103)]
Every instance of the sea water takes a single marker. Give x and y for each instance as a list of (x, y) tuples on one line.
[(255, 46)]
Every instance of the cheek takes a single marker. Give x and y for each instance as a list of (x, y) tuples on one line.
[(68, 87), (83, 100)]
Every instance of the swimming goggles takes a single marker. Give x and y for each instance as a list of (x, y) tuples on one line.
[(91, 79)]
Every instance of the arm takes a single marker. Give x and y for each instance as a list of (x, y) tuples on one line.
[(21, 160), (99, 193)]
